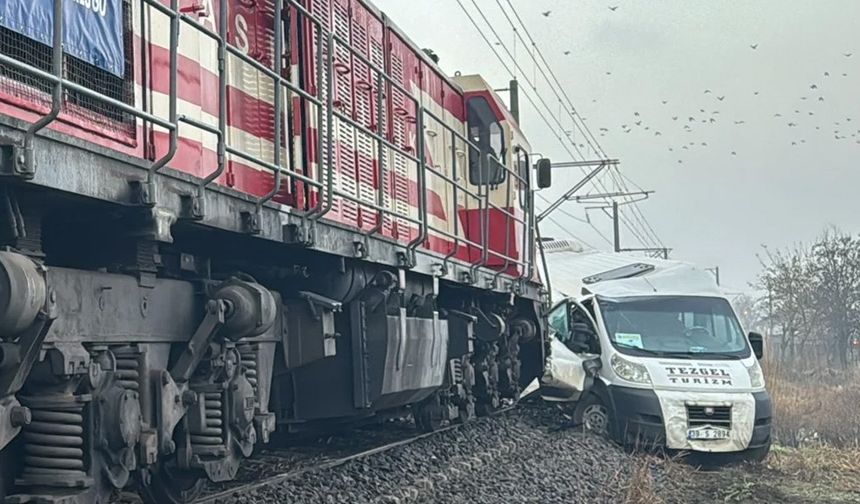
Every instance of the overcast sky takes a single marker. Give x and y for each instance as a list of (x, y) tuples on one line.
[(712, 207)]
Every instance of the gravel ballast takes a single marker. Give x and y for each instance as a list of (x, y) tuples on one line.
[(524, 455)]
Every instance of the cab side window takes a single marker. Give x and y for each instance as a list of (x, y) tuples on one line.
[(559, 322), (574, 328), (486, 133)]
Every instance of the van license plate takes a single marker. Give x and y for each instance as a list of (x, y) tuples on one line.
[(707, 432)]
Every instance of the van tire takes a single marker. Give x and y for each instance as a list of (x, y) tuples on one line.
[(593, 415)]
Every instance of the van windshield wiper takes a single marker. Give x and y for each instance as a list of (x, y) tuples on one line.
[(647, 351), (704, 355)]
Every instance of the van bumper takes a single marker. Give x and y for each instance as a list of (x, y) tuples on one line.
[(761, 436), (638, 418)]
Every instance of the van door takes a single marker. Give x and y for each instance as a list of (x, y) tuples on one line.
[(573, 343)]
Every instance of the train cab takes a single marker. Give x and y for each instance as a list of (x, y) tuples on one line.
[(498, 169)]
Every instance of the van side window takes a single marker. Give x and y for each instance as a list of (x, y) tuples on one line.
[(559, 322), (487, 135)]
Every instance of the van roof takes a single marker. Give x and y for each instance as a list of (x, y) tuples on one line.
[(574, 273)]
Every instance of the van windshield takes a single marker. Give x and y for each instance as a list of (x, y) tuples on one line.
[(674, 326)]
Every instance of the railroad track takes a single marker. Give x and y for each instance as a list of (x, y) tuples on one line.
[(221, 495)]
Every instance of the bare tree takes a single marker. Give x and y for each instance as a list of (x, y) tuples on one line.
[(812, 297)]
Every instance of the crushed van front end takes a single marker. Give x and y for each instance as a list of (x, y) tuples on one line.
[(707, 422)]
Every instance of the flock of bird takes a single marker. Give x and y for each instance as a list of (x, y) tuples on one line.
[(710, 114)]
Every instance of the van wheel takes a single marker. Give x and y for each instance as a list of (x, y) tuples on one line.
[(592, 414)]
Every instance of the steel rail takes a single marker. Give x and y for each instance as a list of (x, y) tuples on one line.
[(332, 463)]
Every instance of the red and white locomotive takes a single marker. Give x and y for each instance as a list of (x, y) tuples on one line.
[(226, 219)]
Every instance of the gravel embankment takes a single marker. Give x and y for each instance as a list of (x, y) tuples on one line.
[(517, 457)]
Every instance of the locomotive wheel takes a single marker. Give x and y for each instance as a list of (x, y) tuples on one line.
[(467, 411), (488, 406), (170, 485), (428, 414)]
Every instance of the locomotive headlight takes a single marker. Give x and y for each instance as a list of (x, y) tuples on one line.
[(756, 375), (630, 371)]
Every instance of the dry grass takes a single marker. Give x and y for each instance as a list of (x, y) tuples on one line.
[(640, 487), (834, 467), (815, 408)]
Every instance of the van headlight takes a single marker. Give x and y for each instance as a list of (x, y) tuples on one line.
[(756, 376), (630, 371)]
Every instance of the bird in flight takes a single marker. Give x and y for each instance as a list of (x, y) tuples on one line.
[(777, 115), (754, 46), (636, 114), (721, 98), (707, 91), (802, 97), (547, 13), (848, 55), (827, 74), (755, 93), (608, 73), (674, 118), (814, 86), (567, 53), (665, 102), (734, 153), (657, 133), (820, 98), (638, 123), (613, 8)]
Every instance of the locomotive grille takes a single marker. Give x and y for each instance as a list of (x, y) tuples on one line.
[(33, 92)]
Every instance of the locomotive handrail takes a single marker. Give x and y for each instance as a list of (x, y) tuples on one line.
[(70, 85), (278, 105), (56, 96), (322, 182), (172, 90), (421, 168)]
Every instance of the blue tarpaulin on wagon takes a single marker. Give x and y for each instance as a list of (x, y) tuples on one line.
[(92, 30)]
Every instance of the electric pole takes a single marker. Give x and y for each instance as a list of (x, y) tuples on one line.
[(716, 271)]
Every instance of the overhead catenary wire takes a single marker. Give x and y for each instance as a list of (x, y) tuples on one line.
[(580, 124), (625, 220)]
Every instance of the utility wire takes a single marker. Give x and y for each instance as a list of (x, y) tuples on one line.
[(554, 84), (625, 220)]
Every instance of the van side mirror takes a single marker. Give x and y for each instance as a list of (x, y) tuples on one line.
[(592, 367), (757, 344), (544, 173)]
